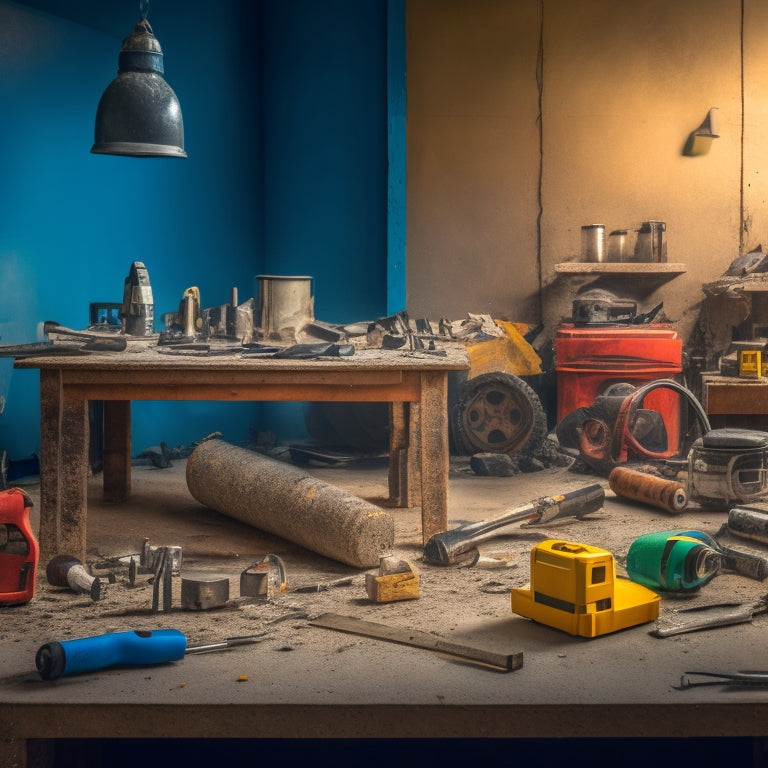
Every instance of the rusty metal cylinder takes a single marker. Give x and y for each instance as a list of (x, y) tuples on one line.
[(656, 491), (288, 502)]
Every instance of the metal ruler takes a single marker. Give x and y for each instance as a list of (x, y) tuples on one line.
[(416, 639)]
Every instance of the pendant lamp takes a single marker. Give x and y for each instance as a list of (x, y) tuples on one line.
[(138, 114)]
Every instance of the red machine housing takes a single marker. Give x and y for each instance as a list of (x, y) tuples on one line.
[(19, 550), (589, 359)]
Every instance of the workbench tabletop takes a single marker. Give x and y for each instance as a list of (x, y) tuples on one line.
[(448, 357)]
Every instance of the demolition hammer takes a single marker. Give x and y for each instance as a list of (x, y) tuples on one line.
[(458, 546)]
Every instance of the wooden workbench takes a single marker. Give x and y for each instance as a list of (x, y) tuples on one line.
[(576, 700), (414, 382), (734, 395), (735, 401)]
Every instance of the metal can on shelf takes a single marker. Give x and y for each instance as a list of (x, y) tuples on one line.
[(593, 243)]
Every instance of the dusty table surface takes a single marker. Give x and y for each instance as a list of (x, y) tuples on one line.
[(448, 356), (313, 681)]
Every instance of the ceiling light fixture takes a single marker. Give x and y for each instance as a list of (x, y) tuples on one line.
[(138, 114)]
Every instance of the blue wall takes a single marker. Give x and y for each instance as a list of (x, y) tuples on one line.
[(285, 114)]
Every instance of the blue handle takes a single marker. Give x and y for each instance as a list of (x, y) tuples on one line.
[(70, 657)]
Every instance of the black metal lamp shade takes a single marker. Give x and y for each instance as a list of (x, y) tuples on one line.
[(138, 114)]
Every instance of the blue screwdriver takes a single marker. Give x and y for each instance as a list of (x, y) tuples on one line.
[(135, 648)]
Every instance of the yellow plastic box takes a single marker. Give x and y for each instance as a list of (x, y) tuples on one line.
[(574, 588)]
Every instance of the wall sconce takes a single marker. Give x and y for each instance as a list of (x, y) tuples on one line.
[(138, 114), (700, 140)]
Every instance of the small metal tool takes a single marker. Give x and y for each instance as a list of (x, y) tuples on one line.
[(201, 591), (709, 617), (743, 679), (149, 556), (263, 577), (224, 645), (163, 581)]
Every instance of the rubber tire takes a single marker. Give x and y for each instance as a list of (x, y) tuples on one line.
[(521, 422)]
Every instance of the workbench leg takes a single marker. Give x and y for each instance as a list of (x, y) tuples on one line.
[(13, 752), (63, 470), (430, 433), (412, 461), (117, 450), (73, 484), (27, 753), (398, 454), (50, 470)]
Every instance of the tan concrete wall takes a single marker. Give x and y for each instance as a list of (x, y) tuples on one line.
[(472, 158), (623, 84), (755, 125)]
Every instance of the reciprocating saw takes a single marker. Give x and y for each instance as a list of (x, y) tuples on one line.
[(459, 545), (134, 648)]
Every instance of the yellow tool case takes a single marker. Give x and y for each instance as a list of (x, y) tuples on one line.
[(574, 588)]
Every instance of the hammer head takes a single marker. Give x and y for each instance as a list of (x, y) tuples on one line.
[(437, 553)]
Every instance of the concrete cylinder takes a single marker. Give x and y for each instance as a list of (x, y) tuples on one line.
[(288, 502)]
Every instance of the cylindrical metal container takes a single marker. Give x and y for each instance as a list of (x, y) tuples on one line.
[(593, 242), (651, 242), (618, 245), (284, 302)]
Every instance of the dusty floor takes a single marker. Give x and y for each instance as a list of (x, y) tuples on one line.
[(163, 511)]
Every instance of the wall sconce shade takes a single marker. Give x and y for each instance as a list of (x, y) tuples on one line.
[(700, 140), (138, 114)]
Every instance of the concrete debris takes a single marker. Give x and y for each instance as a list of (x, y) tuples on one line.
[(546, 455), (283, 500), (157, 455), (493, 464)]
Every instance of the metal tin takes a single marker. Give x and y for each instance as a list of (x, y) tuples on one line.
[(618, 245), (593, 243), (285, 301), (651, 242)]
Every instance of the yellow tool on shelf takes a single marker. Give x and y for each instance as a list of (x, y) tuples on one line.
[(751, 356), (574, 588)]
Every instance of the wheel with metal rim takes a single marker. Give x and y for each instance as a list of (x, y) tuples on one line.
[(498, 413)]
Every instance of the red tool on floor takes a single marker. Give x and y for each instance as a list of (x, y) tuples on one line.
[(19, 550)]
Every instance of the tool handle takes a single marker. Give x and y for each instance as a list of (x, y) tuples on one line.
[(70, 657), (445, 546), (745, 563)]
